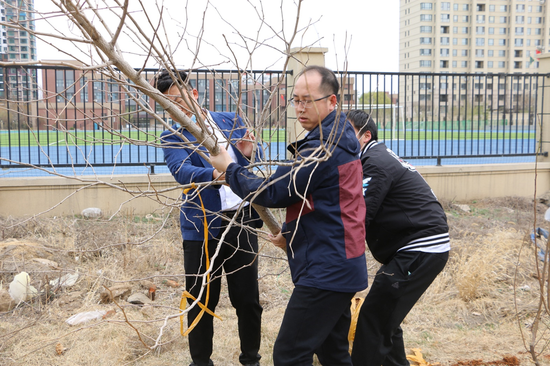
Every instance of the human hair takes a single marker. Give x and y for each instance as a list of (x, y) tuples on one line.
[(363, 122), (164, 80), (329, 82)]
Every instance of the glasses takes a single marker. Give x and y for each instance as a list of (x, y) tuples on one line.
[(306, 103)]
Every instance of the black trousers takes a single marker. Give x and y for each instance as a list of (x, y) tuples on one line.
[(315, 321), (397, 286), (238, 260)]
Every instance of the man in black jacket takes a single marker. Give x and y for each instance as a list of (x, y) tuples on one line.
[(406, 231)]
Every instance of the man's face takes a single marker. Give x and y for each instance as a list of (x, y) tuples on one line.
[(174, 94), (311, 105)]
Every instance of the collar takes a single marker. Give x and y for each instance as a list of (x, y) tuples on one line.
[(368, 146)]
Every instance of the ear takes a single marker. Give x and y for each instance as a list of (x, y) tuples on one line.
[(195, 94), (333, 100), (367, 136)]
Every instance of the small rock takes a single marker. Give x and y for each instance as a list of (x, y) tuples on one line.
[(171, 283), (91, 212), (475, 313), (460, 207), (67, 280), (46, 262), (118, 292), (139, 299)]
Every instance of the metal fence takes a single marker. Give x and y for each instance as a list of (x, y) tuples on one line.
[(65, 118)]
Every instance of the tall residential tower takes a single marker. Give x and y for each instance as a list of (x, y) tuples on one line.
[(469, 36)]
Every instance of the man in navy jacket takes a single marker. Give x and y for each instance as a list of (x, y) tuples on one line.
[(324, 226), (407, 232), (237, 256)]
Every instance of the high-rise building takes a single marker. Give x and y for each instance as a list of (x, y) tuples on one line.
[(472, 36), (18, 44)]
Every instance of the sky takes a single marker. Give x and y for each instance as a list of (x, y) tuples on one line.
[(361, 35)]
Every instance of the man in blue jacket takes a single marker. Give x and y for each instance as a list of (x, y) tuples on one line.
[(237, 256), (324, 226), (407, 232)]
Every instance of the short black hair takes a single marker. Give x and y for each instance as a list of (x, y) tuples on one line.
[(363, 122), (329, 82), (165, 79)]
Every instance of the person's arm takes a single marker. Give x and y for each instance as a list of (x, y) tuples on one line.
[(178, 161), (376, 185), (279, 190)]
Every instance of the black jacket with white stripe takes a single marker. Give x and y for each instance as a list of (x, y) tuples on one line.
[(403, 214)]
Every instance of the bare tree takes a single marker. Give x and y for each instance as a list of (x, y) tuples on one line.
[(104, 36)]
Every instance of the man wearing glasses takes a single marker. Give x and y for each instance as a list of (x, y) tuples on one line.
[(323, 233)]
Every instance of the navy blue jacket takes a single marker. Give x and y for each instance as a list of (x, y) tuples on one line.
[(187, 166), (325, 233)]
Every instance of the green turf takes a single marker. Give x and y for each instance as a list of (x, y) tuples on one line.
[(53, 138)]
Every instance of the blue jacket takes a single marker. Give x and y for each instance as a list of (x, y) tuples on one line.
[(325, 233), (187, 166)]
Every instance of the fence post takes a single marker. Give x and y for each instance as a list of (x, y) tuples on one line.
[(299, 59), (543, 110)]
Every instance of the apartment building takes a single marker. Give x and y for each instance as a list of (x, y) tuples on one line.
[(17, 44), (471, 57), (469, 36)]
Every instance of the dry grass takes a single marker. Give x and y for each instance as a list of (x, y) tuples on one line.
[(469, 313)]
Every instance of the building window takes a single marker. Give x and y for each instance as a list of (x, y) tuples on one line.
[(538, 20), (445, 6), (465, 30), (518, 53), (444, 52), (445, 29), (502, 42), (465, 18), (465, 7), (425, 63), (491, 30), (520, 19), (478, 64), (501, 64), (480, 7), (502, 20), (480, 30), (518, 42), (425, 40), (490, 53), (425, 52), (444, 64), (491, 8), (489, 64), (444, 40), (425, 17), (426, 6), (426, 29), (520, 8), (464, 41), (538, 31), (502, 53), (464, 52), (480, 52), (491, 42), (480, 18), (519, 31), (445, 18), (480, 41), (491, 19), (463, 63), (503, 8)]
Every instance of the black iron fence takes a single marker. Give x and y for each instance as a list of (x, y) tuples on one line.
[(55, 117)]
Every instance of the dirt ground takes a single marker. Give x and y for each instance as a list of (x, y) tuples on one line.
[(481, 310)]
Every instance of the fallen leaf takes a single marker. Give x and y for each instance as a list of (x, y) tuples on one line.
[(172, 283), (59, 349)]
